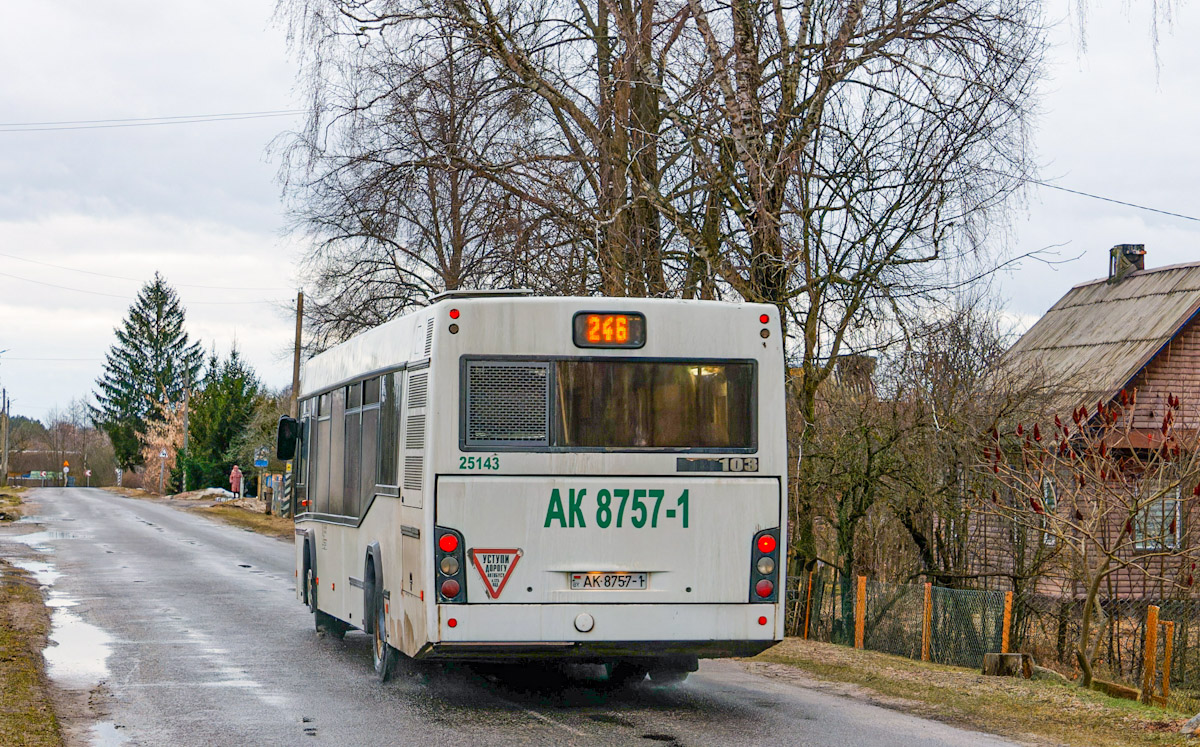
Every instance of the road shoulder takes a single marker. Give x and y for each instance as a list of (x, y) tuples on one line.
[(1034, 712), (27, 715), (244, 513)]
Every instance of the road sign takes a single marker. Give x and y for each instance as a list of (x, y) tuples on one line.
[(87, 473), (66, 469), (260, 462), (162, 454), (66, 463)]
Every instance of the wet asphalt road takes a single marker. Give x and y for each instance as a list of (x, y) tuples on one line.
[(209, 647)]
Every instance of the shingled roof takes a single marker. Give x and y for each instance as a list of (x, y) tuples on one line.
[(1099, 336)]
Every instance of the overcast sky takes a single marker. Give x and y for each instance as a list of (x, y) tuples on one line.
[(100, 210)]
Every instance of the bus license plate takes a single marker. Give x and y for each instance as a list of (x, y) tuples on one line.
[(609, 580)]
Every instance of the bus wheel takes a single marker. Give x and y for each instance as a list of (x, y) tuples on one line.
[(310, 590), (382, 654)]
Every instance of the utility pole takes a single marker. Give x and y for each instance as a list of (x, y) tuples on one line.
[(4, 424), (289, 475), (296, 356), (187, 393)]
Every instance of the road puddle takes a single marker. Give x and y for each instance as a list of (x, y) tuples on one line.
[(43, 573), (77, 657), (107, 734), (38, 540)]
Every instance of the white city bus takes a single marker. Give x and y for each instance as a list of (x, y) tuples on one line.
[(501, 476)]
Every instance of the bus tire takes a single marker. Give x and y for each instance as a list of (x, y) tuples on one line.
[(383, 656)]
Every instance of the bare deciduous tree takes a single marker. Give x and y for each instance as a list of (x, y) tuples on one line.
[(1113, 498)]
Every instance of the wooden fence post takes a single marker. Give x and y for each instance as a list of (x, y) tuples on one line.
[(1168, 645), (1007, 622), (1148, 664), (808, 605), (860, 612), (927, 622)]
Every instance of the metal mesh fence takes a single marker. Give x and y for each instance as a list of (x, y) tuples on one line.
[(894, 618), (965, 625)]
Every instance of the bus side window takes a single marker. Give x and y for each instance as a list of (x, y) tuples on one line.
[(388, 447), (337, 453), (318, 487), (370, 437)]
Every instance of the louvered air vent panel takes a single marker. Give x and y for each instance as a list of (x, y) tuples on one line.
[(507, 403), (414, 433), (418, 388), (428, 338), (412, 472)]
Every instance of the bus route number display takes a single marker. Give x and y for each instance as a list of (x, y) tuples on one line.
[(596, 329)]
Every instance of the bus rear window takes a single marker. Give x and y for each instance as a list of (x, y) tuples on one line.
[(632, 404)]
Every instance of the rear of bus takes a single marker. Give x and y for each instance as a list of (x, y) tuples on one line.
[(609, 479)]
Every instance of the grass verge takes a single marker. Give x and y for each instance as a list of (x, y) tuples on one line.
[(1032, 711), (10, 503), (274, 526), (26, 711)]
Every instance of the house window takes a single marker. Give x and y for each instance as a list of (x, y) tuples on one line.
[(1049, 505), (1158, 526)]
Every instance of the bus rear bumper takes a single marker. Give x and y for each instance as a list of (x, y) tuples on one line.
[(501, 631)]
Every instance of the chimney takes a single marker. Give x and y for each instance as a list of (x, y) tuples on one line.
[(1124, 259)]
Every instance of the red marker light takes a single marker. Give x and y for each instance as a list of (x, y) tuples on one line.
[(448, 543), (762, 621), (764, 588), (453, 313), (766, 543), (452, 622), (450, 588), (764, 319)]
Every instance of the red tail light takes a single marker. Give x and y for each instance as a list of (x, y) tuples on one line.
[(764, 566), (451, 566)]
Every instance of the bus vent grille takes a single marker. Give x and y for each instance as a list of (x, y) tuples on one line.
[(507, 403), (414, 433), (412, 472), (428, 338), (418, 386)]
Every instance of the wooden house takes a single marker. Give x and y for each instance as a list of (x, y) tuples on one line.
[(1136, 330)]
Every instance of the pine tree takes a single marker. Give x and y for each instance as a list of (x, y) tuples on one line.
[(150, 364), (219, 413)]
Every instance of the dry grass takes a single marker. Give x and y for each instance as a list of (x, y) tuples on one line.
[(1032, 711), (132, 492), (10, 503), (26, 711), (274, 526)]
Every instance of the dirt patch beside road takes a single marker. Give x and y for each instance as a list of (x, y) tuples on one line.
[(1031, 711), (10, 503), (246, 513), (26, 709), (274, 526)]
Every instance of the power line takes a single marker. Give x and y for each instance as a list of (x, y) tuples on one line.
[(1112, 200), (127, 298), (136, 280), (151, 119), (197, 119)]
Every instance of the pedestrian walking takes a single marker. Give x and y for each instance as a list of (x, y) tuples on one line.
[(235, 481)]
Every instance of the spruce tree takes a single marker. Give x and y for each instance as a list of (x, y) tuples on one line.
[(152, 361), (219, 413)]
